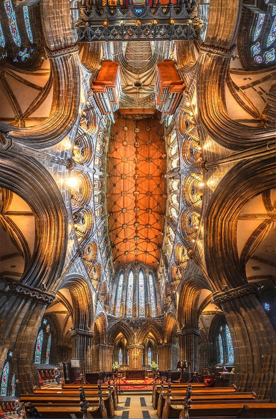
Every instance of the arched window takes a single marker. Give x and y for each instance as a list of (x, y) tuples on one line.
[(120, 357), (2, 38), (48, 350), (230, 349), (12, 22), (272, 34), (119, 295), (141, 294), (152, 295), (130, 294), (149, 356), (5, 379), (220, 346), (28, 24), (13, 386), (38, 347)]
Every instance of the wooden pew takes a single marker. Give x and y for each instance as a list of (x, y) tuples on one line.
[(215, 398), (222, 409), (63, 400), (58, 411), (180, 391)]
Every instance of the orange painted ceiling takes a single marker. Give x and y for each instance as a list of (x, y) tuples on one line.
[(136, 190)]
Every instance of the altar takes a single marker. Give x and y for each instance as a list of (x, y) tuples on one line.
[(135, 374)]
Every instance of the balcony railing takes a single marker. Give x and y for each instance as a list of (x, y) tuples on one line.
[(138, 20)]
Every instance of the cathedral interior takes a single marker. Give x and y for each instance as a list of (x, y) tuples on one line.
[(138, 197)]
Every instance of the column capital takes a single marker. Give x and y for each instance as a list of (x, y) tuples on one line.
[(215, 50), (228, 295), (81, 332), (190, 331)]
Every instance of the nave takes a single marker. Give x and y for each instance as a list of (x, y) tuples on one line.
[(138, 207)]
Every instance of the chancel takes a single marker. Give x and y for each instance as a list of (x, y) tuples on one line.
[(137, 208)]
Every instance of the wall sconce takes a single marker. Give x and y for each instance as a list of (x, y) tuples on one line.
[(105, 23), (73, 182), (171, 21)]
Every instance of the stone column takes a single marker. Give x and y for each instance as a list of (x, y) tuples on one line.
[(82, 347), (188, 347), (135, 356), (164, 356), (254, 339)]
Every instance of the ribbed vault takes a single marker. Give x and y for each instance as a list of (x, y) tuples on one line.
[(136, 190)]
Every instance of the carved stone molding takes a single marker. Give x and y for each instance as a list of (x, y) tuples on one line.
[(64, 51), (191, 331), (81, 332), (242, 291), (217, 50), (30, 293)]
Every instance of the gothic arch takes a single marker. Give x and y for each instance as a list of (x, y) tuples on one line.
[(150, 327), (120, 327), (188, 301), (82, 298)]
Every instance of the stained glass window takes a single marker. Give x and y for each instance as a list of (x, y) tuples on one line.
[(259, 26), (5, 378), (230, 348), (141, 294), (28, 23), (120, 356), (269, 56), (13, 385), (272, 34), (267, 306), (220, 349), (48, 350), (48, 328), (38, 347), (12, 22), (2, 38), (256, 49), (119, 294), (149, 356), (127, 358), (130, 294), (152, 295)]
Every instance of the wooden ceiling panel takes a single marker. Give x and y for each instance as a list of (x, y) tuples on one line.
[(136, 190)]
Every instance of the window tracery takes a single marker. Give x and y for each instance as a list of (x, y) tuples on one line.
[(2, 37), (28, 23), (119, 294), (5, 379), (130, 294), (12, 22), (152, 295), (141, 294), (48, 349), (13, 386), (38, 347)]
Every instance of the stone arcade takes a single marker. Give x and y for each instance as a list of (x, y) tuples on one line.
[(138, 206)]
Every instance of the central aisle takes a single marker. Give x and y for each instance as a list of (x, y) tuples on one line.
[(135, 406)]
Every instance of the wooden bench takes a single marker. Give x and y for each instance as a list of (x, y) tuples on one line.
[(222, 409), (196, 389), (215, 398), (70, 399), (58, 411)]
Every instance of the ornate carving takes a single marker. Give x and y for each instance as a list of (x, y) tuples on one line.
[(27, 292), (147, 32), (191, 331), (242, 291), (81, 332), (63, 51), (218, 50)]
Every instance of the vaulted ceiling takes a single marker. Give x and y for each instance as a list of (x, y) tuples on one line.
[(136, 190)]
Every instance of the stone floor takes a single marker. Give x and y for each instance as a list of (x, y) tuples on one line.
[(135, 406)]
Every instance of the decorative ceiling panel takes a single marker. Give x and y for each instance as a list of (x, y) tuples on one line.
[(136, 190)]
